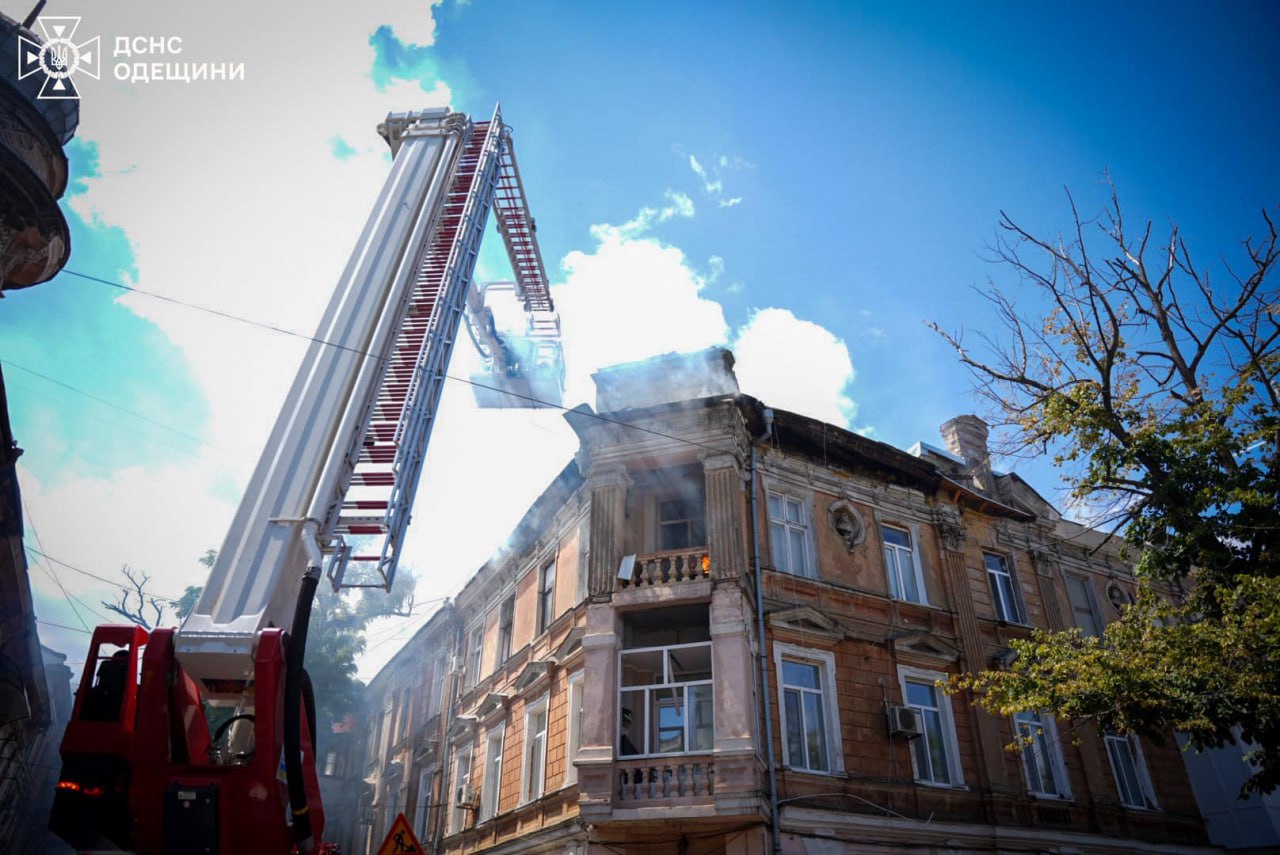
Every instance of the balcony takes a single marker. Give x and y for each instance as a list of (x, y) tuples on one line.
[(671, 568), (673, 781)]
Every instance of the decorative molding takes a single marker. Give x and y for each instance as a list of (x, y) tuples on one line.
[(494, 703), (847, 523), (534, 676), (808, 621), (923, 644)]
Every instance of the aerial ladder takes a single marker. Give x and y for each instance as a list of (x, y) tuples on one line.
[(331, 496)]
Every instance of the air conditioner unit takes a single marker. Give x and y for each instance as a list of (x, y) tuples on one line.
[(905, 721), (467, 798)]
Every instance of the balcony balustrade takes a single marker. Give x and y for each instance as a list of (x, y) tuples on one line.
[(674, 567), (672, 780)]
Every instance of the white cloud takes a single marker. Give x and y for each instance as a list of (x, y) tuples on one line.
[(795, 365), (712, 179)]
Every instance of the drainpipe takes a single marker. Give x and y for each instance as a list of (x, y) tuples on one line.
[(762, 657)]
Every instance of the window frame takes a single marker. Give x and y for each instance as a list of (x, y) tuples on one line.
[(527, 792), (1052, 758), (458, 816), (1145, 785), (491, 790), (1095, 614), (506, 628), (573, 725), (475, 653), (546, 595), (1008, 569), (689, 709), (422, 809), (804, 527), (912, 531), (825, 660), (950, 742)]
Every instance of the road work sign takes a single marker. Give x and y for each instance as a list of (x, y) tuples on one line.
[(400, 839)]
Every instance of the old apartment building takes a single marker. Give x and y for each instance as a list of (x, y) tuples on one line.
[(602, 686)]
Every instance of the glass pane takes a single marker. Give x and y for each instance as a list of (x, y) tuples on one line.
[(937, 748), (920, 754), (690, 663), (815, 731), (631, 723), (892, 569), (797, 550), (1008, 608), (775, 507), (778, 544), (1126, 772), (795, 728), (921, 695), (910, 585), (669, 721), (800, 674), (673, 536), (697, 533), (642, 669), (995, 563), (895, 536), (793, 511), (703, 707)]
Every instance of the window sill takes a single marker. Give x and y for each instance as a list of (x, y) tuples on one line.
[(934, 785), (833, 773), (1046, 797)]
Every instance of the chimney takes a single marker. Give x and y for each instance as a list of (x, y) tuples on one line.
[(966, 437)]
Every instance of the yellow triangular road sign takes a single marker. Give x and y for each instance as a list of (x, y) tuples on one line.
[(400, 840)]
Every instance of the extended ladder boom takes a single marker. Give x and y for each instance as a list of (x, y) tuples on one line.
[(337, 479)]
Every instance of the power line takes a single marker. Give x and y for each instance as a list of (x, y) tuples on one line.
[(10, 363), (315, 339), (63, 626), (111, 582)]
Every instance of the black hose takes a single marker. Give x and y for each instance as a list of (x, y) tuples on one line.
[(294, 678)]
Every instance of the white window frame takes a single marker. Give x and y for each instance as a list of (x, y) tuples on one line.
[(826, 662), (1092, 601), (573, 735), (1047, 755), (1148, 792), (912, 532), (458, 816), (491, 792), (530, 789), (907, 674), (805, 527), (1016, 610), (506, 631), (667, 683)]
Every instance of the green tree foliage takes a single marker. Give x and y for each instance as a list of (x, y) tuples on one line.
[(1153, 383)]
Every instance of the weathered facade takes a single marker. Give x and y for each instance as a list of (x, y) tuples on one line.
[(602, 684)]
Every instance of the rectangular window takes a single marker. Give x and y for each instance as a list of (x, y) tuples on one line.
[(902, 564), (462, 781), (506, 621), (1005, 597), (535, 752), (1083, 606), (934, 755), (1041, 755), (789, 535), (1130, 770), (807, 706), (681, 524), (666, 704), (546, 597), (331, 763), (475, 655), (492, 775), (575, 729), (426, 783), (806, 727)]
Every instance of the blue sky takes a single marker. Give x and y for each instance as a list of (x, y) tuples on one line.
[(820, 179)]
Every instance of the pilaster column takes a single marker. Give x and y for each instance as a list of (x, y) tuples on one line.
[(725, 518), (953, 537), (600, 701), (608, 486), (736, 752)]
